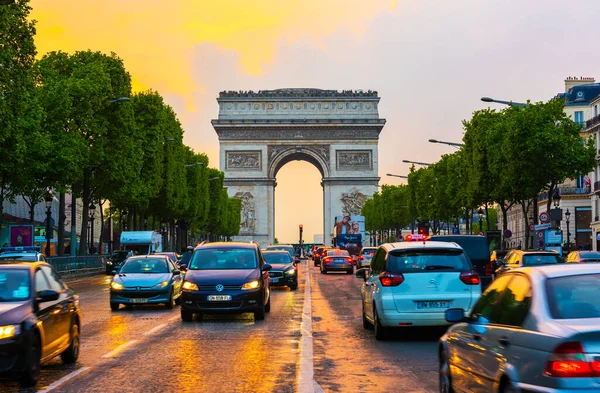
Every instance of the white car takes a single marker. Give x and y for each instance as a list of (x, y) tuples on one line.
[(413, 283)]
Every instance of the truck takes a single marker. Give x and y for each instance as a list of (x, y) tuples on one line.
[(141, 242)]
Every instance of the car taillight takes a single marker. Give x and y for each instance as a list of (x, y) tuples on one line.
[(326, 259), (348, 259), (470, 278), (391, 279), (569, 361), (362, 257)]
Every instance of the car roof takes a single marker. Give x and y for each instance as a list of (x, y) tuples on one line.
[(280, 245), (250, 246), (369, 247), (420, 245), (151, 256), (563, 269), (16, 264), (533, 252)]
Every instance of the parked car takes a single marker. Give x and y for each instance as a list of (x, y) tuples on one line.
[(146, 279), (319, 254), (226, 278), (40, 319), (335, 260), (113, 262), (24, 253), (520, 258), (413, 283), (365, 257), (534, 329), (583, 257), (477, 249), (284, 270)]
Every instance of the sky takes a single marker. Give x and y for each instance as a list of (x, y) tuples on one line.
[(430, 61)]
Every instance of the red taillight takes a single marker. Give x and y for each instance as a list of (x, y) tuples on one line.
[(569, 361), (470, 278), (371, 254), (349, 259), (362, 257), (391, 279), (326, 259), (408, 238)]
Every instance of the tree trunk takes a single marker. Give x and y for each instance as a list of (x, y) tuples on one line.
[(101, 237), (61, 224), (86, 197), (525, 209)]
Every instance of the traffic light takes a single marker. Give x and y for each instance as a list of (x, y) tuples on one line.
[(301, 229)]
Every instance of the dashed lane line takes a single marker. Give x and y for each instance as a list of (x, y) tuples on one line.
[(119, 349), (64, 379), (154, 329)]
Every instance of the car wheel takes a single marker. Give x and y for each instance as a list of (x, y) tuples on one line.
[(380, 331), (293, 287), (259, 314), (71, 354), (169, 304), (114, 306), (509, 387), (315, 263), (444, 373), (268, 305), (178, 300), (366, 323), (31, 373), (186, 315)]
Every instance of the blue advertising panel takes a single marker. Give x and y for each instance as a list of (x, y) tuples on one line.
[(553, 237)]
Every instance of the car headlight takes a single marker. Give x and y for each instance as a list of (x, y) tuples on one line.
[(161, 285), (190, 286), (116, 285), (109, 262), (290, 272), (251, 285), (9, 331)]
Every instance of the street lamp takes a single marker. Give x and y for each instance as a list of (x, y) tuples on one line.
[(556, 197), (568, 215), (416, 162), (48, 201), (400, 176), (92, 209), (480, 215), (453, 144), (509, 103)]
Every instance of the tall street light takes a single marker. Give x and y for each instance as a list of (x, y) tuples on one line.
[(453, 144), (509, 103), (568, 215), (416, 162), (400, 176), (92, 209), (48, 201), (480, 215)]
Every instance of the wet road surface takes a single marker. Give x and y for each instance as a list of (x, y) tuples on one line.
[(149, 348)]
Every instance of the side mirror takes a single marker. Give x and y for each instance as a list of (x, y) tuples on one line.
[(47, 295), (455, 315), (266, 267), (113, 272), (362, 273), (176, 272)]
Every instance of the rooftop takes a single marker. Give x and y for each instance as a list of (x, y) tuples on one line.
[(298, 93)]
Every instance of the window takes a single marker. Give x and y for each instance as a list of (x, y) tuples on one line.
[(574, 297), (378, 264), (483, 311), (53, 279), (578, 117), (515, 302), (427, 260), (41, 284), (540, 259), (224, 258)]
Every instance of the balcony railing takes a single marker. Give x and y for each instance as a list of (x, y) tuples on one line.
[(592, 122), (568, 191)]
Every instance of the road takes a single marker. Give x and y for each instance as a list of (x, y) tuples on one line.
[(149, 349)]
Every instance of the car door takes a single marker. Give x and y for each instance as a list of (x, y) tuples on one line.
[(264, 275), (466, 344), (176, 279), (64, 307), (48, 315), (370, 286)]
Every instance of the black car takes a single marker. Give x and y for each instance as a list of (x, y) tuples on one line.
[(226, 278), (114, 261), (39, 319), (284, 270)]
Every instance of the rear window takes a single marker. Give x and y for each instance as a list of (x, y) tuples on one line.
[(427, 260), (574, 297), (540, 259), (337, 253), (370, 252), (590, 256)]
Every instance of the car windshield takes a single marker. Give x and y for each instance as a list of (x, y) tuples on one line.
[(540, 259), (425, 260), (277, 257), (285, 248), (18, 257), (144, 265), (224, 259), (14, 285), (574, 297), (590, 256)]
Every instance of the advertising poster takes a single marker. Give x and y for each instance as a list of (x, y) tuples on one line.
[(21, 235), (349, 233)]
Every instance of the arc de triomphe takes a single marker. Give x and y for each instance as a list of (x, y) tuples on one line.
[(259, 132)]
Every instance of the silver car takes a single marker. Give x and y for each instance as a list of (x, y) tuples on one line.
[(534, 329)]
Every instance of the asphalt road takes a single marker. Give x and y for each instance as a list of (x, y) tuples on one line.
[(149, 349)]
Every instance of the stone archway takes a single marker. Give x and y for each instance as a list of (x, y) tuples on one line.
[(337, 132)]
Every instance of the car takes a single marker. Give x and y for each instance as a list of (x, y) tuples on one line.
[(413, 283), (477, 249), (534, 329), (583, 257), (284, 270), (22, 253), (334, 259), (496, 257), (40, 319), (146, 279), (319, 254), (173, 255), (286, 247), (226, 278), (520, 258), (113, 262), (366, 255)]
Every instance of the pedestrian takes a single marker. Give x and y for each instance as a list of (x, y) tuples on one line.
[(68, 248)]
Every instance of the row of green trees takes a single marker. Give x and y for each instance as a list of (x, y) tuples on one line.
[(508, 158), (69, 122)]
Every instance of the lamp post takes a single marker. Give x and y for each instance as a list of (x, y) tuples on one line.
[(509, 103), (48, 201), (416, 162), (400, 176), (568, 215), (480, 215), (92, 209), (453, 144)]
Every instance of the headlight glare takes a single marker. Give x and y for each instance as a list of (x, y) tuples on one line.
[(290, 272), (9, 331), (190, 286), (117, 286), (161, 284), (251, 285)]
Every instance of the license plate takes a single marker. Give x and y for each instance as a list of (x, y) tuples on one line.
[(274, 279), (135, 300), (219, 298), (438, 304)]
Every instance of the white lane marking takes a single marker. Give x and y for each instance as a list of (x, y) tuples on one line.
[(64, 379), (154, 329), (119, 349), (306, 382), (174, 318)]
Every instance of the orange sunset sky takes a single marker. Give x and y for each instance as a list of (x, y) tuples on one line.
[(430, 61)]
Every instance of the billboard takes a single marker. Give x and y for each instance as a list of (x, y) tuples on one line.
[(21, 235), (349, 232)]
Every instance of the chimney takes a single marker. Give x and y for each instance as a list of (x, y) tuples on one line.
[(575, 81)]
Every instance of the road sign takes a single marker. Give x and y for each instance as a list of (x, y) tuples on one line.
[(507, 234), (540, 235), (541, 244), (541, 227), (544, 218), (531, 228), (554, 237), (455, 231)]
